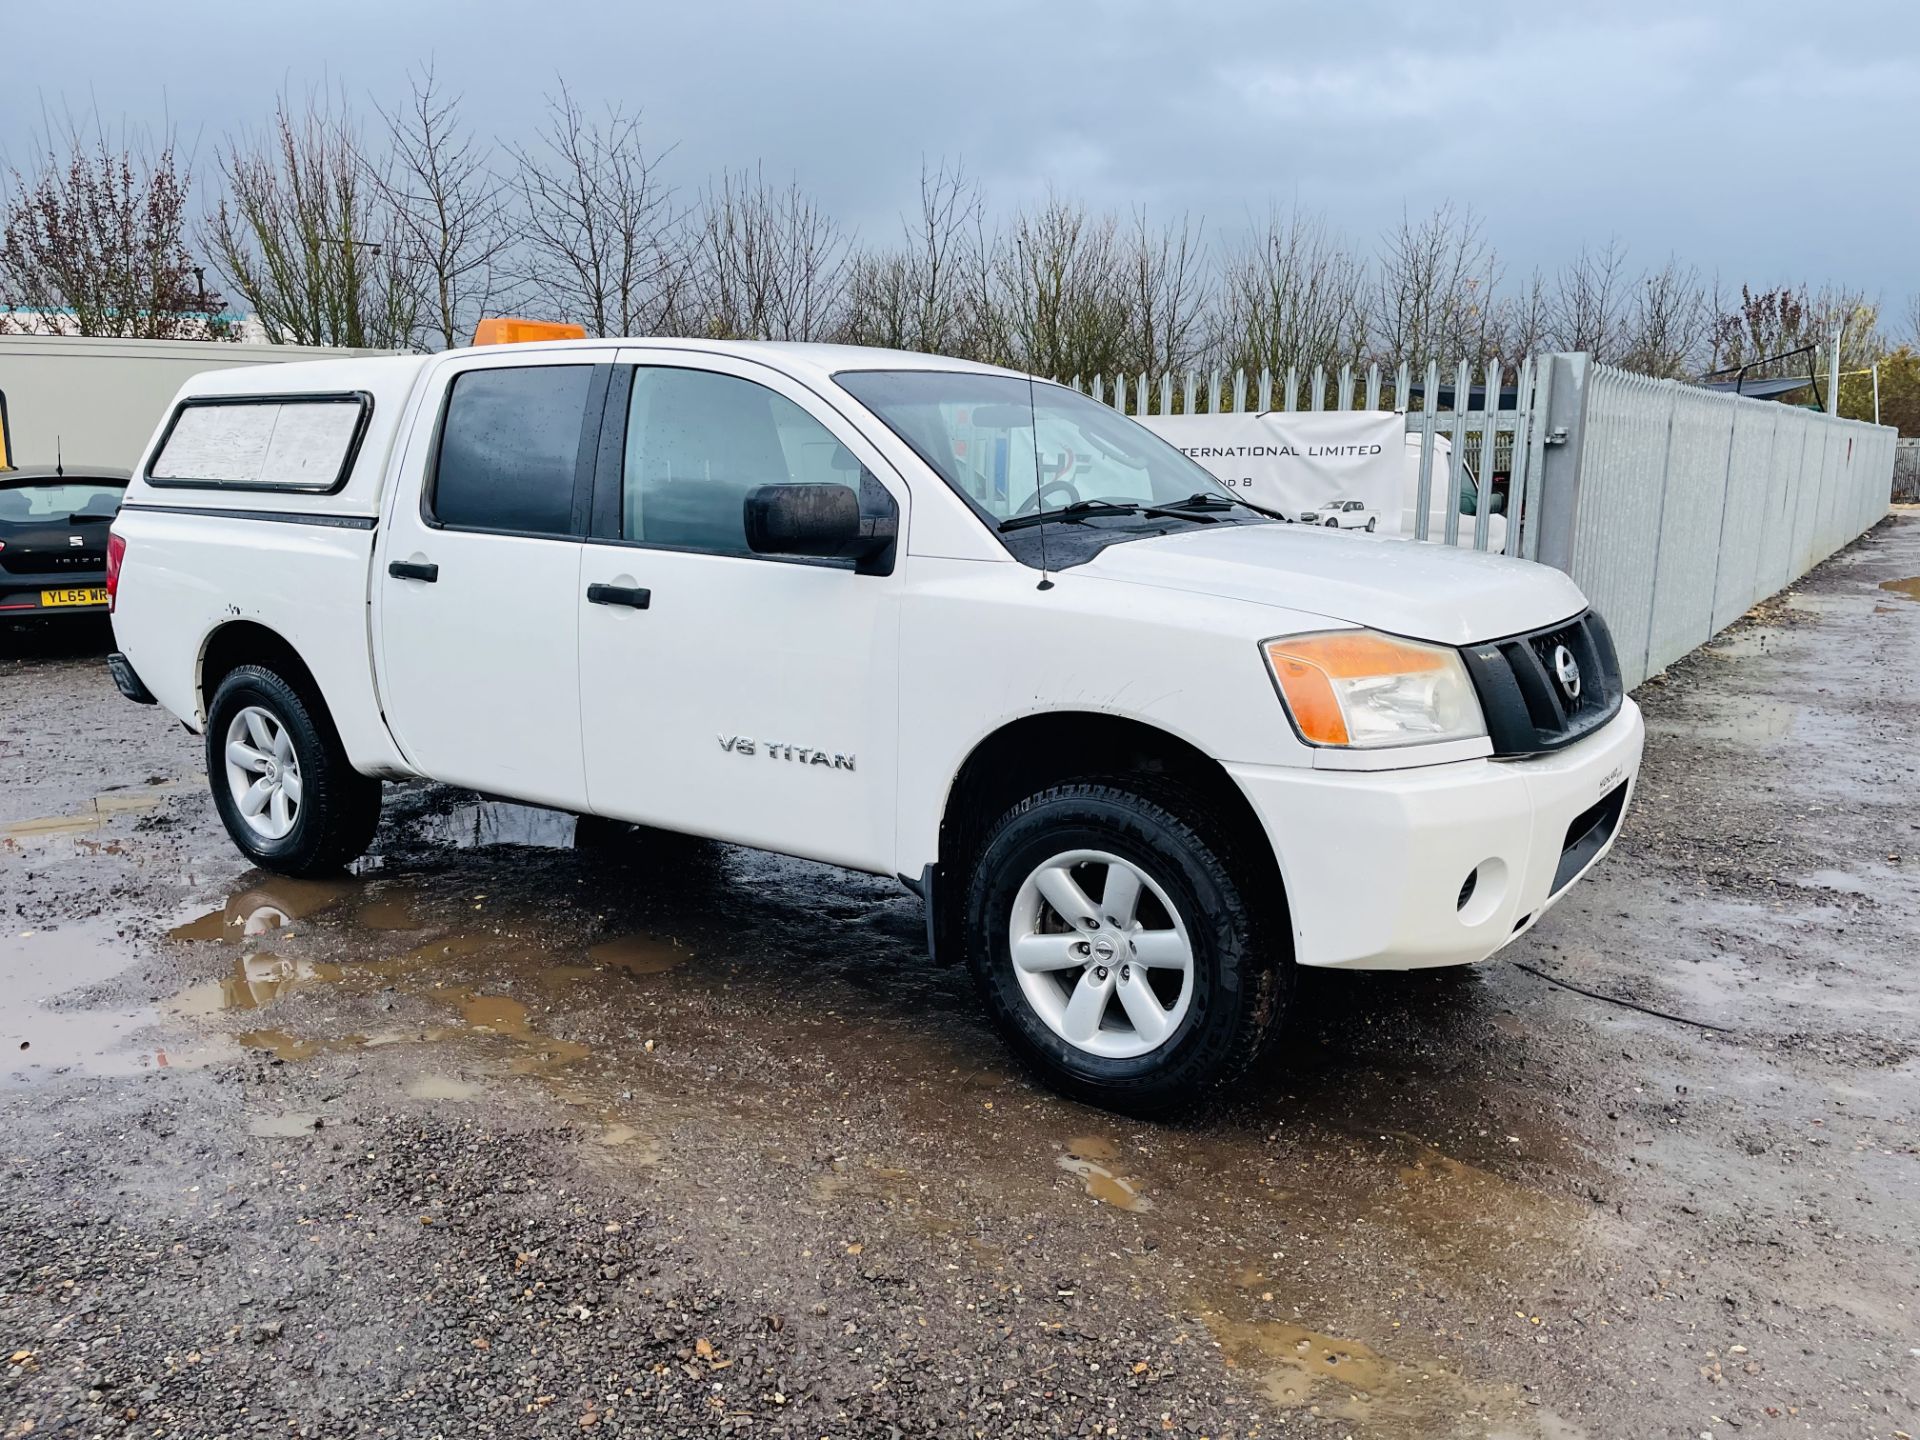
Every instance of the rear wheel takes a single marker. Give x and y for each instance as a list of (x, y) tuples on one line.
[(1370, 525), (1114, 949), (290, 799)]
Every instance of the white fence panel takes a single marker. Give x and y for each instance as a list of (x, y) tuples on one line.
[(1785, 470), (1629, 422), (1688, 539), (1694, 505), (1744, 517)]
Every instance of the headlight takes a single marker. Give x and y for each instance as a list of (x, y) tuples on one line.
[(1364, 689)]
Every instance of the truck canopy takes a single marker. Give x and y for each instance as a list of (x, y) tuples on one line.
[(314, 438)]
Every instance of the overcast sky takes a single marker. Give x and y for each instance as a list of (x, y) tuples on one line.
[(1765, 140)]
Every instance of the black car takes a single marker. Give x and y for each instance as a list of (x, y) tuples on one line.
[(53, 539)]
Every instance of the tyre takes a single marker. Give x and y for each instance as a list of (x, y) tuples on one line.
[(283, 785), (1370, 525), (1114, 949), (1333, 524)]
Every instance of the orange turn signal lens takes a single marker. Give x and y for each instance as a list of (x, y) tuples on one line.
[(1359, 687), (507, 330)]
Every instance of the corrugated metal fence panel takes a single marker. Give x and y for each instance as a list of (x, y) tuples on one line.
[(1785, 469), (1623, 467), (1813, 481), (1688, 538), (1693, 506), (1744, 517)]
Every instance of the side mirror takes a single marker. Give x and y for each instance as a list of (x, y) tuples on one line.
[(821, 521)]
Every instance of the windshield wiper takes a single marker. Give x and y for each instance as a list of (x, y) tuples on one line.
[(1073, 511), (1204, 502), (81, 517)]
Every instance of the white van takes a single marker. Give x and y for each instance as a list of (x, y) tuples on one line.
[(1142, 750)]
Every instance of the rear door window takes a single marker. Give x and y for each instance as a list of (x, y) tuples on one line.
[(510, 449)]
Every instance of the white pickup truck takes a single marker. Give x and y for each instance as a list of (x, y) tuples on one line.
[(1139, 747)]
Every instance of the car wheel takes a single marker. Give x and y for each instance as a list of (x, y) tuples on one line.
[(283, 785), (1370, 524), (1115, 950), (1333, 524)]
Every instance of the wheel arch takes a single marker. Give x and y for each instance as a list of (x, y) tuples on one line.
[(1053, 747), (234, 643)]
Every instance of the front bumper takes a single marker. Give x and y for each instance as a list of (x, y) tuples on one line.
[(1376, 863)]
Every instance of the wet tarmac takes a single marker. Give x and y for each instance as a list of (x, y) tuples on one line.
[(363, 1148)]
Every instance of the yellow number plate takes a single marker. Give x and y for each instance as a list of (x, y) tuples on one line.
[(89, 595)]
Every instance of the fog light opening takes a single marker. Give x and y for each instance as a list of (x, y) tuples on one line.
[(1482, 891)]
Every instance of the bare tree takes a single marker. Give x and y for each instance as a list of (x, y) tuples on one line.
[(599, 245), (447, 205), (1854, 317), (766, 263), (1168, 293), (1667, 322), (1522, 320), (95, 241), (1765, 324), (921, 296), (1293, 295), (1435, 287), (1913, 321), (1061, 285), (1589, 304), (306, 238)]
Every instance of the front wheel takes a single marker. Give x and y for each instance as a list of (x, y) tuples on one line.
[(1332, 524), (290, 798), (1113, 946)]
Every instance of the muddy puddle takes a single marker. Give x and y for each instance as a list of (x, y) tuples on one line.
[(498, 822), (42, 1031), (1909, 588), (1299, 1368), (1097, 1164), (639, 955), (1828, 604), (79, 829), (1748, 643), (287, 1126), (1761, 722)]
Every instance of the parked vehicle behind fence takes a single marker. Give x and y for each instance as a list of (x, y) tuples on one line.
[(1141, 749)]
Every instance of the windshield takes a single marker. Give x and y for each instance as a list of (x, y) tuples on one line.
[(57, 500), (1014, 447)]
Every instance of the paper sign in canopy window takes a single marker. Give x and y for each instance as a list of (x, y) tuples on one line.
[(268, 444)]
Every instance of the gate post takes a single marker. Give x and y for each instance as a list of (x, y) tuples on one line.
[(1562, 437)]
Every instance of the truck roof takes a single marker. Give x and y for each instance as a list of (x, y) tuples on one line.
[(805, 360), (390, 382)]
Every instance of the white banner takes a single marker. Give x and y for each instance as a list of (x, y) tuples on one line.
[(1340, 467)]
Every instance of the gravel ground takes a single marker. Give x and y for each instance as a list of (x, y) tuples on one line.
[(529, 1128)]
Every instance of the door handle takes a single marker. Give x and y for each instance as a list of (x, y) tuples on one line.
[(414, 570), (631, 596)]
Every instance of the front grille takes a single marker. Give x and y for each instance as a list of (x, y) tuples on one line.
[(1530, 708)]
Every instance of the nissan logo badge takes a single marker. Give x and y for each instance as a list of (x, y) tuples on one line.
[(1568, 670)]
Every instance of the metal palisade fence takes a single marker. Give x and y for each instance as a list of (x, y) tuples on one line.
[(1675, 508)]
